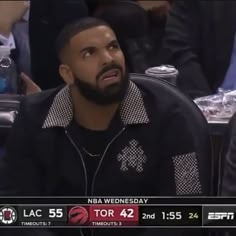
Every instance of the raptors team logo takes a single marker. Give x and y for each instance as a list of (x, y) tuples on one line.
[(78, 215), (8, 215)]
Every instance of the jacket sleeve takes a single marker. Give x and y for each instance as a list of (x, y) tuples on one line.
[(180, 47), (186, 168), (18, 171)]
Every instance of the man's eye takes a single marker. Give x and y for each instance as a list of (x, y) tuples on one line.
[(114, 46), (87, 54)]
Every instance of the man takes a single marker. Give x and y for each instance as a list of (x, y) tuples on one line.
[(47, 19), (200, 42), (100, 134)]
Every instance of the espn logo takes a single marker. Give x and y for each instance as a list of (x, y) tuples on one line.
[(220, 216)]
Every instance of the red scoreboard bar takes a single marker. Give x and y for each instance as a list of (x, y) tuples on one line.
[(120, 215)]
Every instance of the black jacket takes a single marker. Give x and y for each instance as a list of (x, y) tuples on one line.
[(199, 41), (152, 154), (46, 21)]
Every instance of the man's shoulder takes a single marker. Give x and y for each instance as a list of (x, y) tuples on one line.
[(173, 112), (165, 103)]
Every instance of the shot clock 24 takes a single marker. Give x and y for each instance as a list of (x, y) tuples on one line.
[(182, 216)]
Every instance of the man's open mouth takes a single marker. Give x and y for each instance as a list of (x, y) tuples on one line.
[(111, 74)]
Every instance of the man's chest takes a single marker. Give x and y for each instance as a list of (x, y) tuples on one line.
[(130, 159)]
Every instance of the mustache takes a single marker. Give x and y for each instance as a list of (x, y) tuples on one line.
[(108, 68)]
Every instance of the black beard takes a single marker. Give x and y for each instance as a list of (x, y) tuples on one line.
[(111, 94)]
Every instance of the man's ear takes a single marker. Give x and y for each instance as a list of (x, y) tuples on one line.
[(66, 74)]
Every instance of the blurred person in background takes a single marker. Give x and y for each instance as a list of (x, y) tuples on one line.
[(131, 25), (98, 6), (47, 18), (228, 184), (227, 180), (139, 26), (14, 34), (157, 12), (200, 41)]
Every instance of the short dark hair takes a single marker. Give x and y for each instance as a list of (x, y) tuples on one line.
[(74, 28)]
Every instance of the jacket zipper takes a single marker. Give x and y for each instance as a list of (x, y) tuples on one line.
[(99, 165), (85, 171), (80, 155)]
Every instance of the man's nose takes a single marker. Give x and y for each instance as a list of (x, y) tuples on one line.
[(106, 58)]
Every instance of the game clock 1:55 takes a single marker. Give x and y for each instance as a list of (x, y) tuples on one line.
[(172, 215)]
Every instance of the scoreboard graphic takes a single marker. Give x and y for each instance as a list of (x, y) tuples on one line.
[(119, 212)]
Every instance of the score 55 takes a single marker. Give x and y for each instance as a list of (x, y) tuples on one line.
[(55, 213)]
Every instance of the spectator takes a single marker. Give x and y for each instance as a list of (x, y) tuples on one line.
[(131, 25), (228, 187), (199, 41), (98, 6), (14, 32), (139, 26), (157, 13), (47, 18)]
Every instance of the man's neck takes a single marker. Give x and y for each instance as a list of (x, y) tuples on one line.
[(90, 115)]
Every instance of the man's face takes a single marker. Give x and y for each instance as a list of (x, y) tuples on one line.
[(98, 66)]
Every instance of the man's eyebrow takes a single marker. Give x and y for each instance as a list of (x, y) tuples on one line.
[(114, 41), (87, 49)]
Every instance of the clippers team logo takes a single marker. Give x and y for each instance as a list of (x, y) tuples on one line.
[(78, 215), (8, 215)]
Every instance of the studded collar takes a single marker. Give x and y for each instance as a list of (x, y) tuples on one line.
[(132, 110)]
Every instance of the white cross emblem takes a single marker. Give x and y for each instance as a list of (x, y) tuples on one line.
[(132, 156)]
